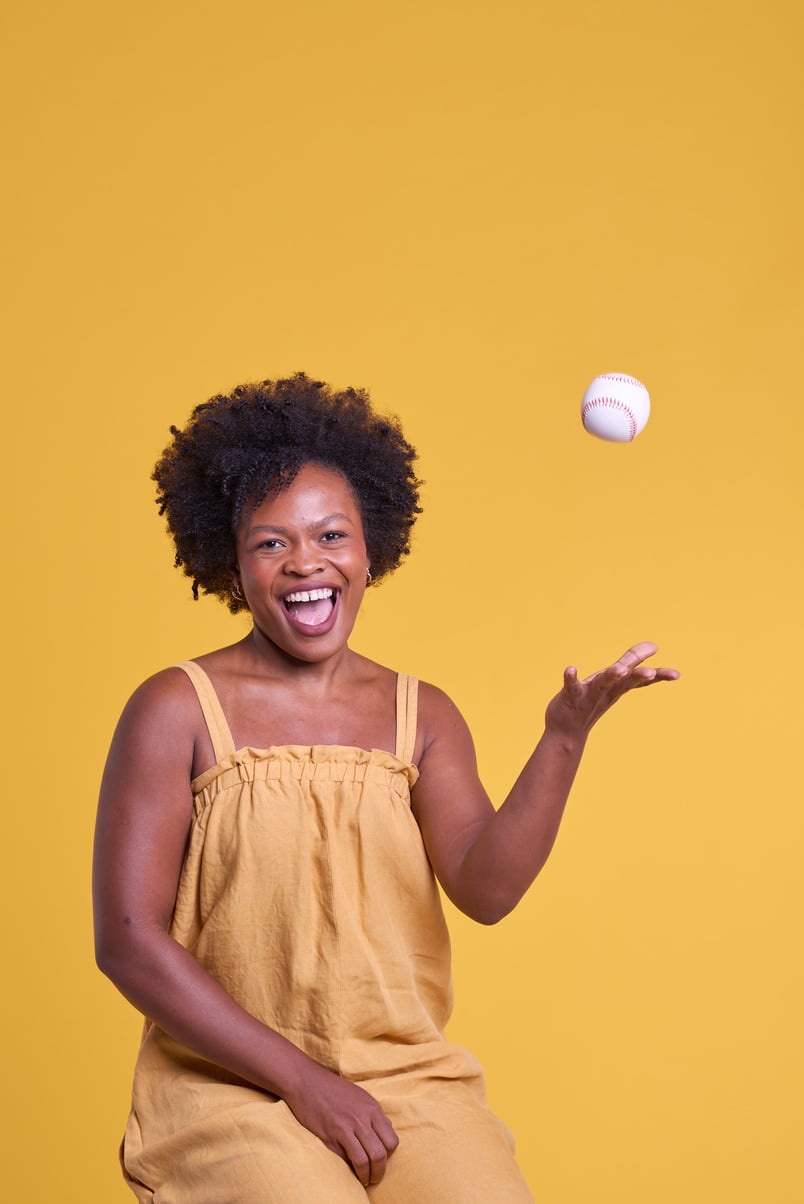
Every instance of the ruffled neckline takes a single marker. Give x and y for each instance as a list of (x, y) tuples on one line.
[(315, 754)]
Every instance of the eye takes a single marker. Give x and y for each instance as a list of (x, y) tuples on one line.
[(333, 536), (270, 544)]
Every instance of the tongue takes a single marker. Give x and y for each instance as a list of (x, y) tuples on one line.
[(312, 613)]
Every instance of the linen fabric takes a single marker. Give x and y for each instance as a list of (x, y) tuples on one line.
[(307, 893)]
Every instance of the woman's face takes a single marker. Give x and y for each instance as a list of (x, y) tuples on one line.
[(302, 563)]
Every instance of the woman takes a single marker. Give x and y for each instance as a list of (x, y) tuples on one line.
[(271, 819)]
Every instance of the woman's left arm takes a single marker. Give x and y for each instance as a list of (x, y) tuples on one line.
[(487, 859)]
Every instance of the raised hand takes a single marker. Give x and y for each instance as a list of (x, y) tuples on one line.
[(348, 1120), (582, 701)]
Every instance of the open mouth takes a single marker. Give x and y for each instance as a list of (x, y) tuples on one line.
[(311, 607)]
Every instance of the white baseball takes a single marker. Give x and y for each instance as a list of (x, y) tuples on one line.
[(615, 407)]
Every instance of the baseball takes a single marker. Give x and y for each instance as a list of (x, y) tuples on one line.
[(615, 407)]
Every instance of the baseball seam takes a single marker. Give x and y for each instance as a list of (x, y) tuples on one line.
[(623, 380), (612, 403)]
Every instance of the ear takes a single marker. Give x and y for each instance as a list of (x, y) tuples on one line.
[(237, 588)]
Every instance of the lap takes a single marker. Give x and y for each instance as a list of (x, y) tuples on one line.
[(452, 1150), (255, 1154)]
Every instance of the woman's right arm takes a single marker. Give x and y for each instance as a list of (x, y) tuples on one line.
[(143, 823)]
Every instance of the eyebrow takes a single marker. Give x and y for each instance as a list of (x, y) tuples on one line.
[(315, 526)]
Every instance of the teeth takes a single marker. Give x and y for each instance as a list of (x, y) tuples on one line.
[(309, 595)]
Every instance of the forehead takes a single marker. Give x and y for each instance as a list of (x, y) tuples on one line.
[(315, 493)]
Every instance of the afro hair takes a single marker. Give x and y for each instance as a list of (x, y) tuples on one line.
[(239, 448)]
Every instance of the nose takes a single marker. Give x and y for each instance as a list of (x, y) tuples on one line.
[(304, 559)]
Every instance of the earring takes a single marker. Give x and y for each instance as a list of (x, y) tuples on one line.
[(368, 574)]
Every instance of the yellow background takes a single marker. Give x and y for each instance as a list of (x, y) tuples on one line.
[(471, 209)]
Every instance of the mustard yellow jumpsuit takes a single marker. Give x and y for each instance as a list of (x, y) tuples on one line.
[(307, 893)]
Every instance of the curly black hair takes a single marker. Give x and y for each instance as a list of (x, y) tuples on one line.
[(239, 448)]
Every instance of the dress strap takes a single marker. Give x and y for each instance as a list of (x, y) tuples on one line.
[(218, 728), (407, 695)]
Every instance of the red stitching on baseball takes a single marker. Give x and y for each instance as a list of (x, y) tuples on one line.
[(612, 403), (625, 380)]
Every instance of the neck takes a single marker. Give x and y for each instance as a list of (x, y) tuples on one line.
[(268, 658)]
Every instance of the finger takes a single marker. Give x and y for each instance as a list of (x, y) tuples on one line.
[(353, 1152), (386, 1132), (378, 1164), (647, 675), (360, 1164), (650, 675), (368, 1153), (571, 680), (637, 653), (628, 665), (387, 1141), (622, 675)]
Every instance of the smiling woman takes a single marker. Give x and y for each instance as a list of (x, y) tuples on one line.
[(239, 449), (273, 818), (310, 535)]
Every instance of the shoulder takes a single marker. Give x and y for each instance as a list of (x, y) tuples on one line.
[(161, 742), (171, 692), (164, 707), (439, 720), (434, 703), (168, 690)]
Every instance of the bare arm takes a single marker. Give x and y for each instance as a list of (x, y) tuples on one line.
[(487, 859), (143, 822)]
